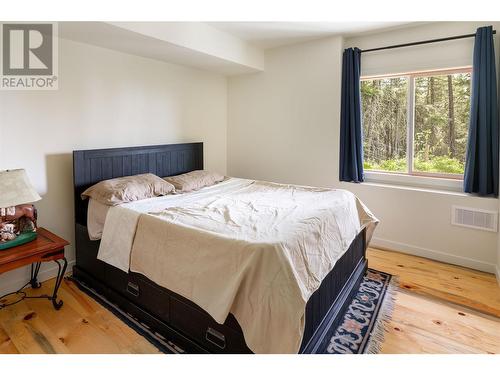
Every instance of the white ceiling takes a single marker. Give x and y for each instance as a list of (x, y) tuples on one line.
[(267, 35), (224, 47), (122, 39)]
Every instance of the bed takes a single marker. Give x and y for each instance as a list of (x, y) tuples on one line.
[(169, 314)]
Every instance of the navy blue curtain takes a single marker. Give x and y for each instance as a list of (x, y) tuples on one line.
[(481, 165), (351, 138)]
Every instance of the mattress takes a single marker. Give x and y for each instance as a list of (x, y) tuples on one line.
[(255, 249)]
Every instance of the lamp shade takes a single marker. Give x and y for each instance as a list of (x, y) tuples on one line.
[(15, 188)]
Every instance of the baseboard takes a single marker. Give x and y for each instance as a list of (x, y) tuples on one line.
[(436, 255), (497, 273), (8, 286)]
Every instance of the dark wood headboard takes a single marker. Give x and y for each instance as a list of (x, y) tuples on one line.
[(92, 166)]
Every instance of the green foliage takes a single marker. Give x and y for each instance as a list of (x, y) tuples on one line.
[(384, 118), (438, 164), (440, 129), (389, 165)]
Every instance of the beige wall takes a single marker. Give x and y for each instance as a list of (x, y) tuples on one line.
[(283, 125), (105, 99), (282, 122)]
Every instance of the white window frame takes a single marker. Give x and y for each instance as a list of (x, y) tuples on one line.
[(449, 181)]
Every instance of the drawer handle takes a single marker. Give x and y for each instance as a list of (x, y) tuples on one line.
[(216, 338), (133, 289)]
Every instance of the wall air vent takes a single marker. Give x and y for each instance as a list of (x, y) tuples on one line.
[(474, 218)]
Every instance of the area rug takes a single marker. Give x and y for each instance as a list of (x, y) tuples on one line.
[(360, 331)]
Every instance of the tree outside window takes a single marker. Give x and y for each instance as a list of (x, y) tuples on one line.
[(417, 123)]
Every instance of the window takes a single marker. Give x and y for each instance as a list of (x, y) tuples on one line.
[(417, 123)]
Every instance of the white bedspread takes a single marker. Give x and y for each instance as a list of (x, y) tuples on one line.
[(121, 221), (255, 249)]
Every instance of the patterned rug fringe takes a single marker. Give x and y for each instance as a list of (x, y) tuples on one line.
[(377, 335)]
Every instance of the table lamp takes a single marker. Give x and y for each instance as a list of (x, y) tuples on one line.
[(17, 214)]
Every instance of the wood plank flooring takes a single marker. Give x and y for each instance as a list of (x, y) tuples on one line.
[(463, 286), (440, 309), (81, 326)]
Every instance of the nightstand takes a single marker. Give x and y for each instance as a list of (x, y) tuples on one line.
[(46, 247)]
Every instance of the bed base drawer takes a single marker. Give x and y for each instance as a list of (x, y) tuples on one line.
[(180, 314), (202, 328), (148, 295)]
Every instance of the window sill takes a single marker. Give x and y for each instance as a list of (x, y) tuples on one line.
[(416, 183), (412, 181)]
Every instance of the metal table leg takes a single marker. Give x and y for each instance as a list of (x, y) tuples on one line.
[(35, 268), (60, 275)]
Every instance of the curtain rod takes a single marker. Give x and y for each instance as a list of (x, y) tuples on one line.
[(423, 42)]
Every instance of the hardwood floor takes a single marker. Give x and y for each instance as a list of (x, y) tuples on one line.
[(439, 309), (81, 326), (463, 286)]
